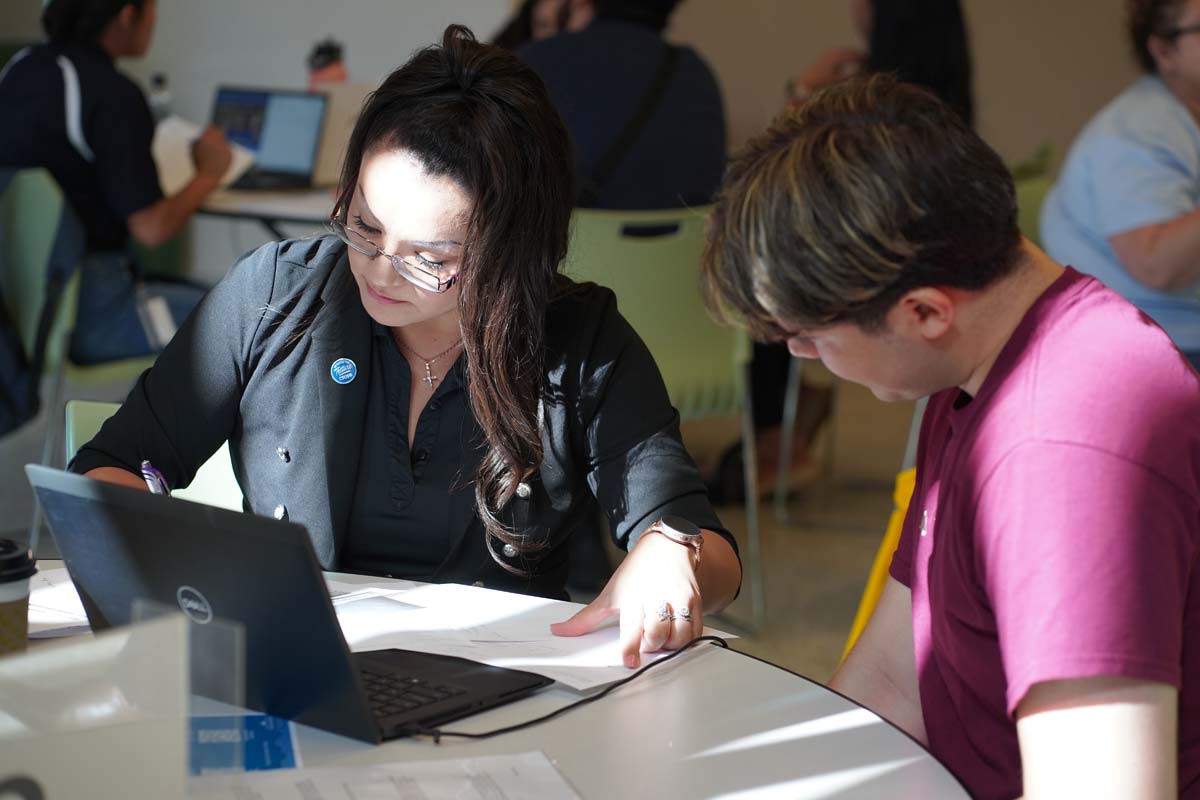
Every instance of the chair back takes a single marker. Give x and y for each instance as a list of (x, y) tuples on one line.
[(214, 484), (1031, 193), (651, 261), (41, 244)]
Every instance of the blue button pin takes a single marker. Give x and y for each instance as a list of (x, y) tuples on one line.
[(343, 370)]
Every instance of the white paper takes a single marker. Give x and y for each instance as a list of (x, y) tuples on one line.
[(342, 592), (497, 628), (526, 776), (54, 605), (172, 151)]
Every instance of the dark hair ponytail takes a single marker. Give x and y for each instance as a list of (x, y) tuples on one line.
[(81, 21), (480, 116)]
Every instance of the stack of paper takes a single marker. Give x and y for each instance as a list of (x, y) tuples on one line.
[(54, 607), (497, 628), (172, 151), (515, 777)]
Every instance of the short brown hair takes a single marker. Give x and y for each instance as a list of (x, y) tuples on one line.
[(870, 189), (1148, 18)]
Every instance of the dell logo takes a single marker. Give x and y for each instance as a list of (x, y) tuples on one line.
[(194, 604)]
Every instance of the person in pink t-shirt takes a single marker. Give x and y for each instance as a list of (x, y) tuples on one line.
[(1040, 631)]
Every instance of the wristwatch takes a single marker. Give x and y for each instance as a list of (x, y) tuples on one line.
[(681, 531)]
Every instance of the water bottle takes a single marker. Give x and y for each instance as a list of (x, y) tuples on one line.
[(160, 97)]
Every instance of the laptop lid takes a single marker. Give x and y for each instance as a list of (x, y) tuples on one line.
[(120, 544), (345, 104), (281, 127)]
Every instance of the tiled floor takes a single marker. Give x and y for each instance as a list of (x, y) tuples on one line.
[(816, 566)]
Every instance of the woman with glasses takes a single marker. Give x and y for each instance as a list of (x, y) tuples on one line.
[(423, 390), (1126, 206)]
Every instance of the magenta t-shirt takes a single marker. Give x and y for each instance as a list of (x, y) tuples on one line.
[(1053, 530)]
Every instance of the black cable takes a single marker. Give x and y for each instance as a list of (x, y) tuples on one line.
[(438, 734)]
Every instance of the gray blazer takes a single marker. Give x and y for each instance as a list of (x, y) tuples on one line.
[(252, 366)]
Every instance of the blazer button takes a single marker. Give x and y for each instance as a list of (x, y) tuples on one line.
[(281, 512), (509, 550), (283, 454), (523, 490)]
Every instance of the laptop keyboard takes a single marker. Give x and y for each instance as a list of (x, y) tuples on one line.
[(392, 693)]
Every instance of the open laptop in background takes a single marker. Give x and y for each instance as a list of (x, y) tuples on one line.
[(281, 127), (121, 544)]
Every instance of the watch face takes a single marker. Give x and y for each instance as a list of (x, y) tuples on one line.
[(681, 525)]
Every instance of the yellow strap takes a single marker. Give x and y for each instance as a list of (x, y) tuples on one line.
[(905, 482)]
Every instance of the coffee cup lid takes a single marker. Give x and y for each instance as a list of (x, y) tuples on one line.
[(16, 562)]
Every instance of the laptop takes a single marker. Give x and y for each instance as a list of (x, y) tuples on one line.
[(281, 127), (122, 544), (345, 104)]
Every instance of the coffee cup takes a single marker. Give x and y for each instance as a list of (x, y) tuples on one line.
[(16, 568)]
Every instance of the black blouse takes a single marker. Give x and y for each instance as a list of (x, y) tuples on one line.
[(262, 363), (401, 511)]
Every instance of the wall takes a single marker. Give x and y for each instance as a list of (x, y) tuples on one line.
[(1041, 68), (19, 20)]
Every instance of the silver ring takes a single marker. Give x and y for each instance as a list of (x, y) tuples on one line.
[(664, 613), (684, 614)]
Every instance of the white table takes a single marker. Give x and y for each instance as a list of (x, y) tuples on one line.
[(710, 724), (272, 208)]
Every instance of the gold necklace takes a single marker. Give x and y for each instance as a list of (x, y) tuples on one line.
[(429, 378)]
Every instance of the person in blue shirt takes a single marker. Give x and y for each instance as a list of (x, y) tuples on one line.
[(67, 108), (1126, 206), (605, 58)]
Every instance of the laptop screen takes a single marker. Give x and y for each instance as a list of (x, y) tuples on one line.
[(281, 128)]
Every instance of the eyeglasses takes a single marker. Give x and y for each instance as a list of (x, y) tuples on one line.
[(414, 269), (1175, 33)]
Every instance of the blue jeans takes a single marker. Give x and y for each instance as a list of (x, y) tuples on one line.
[(107, 325)]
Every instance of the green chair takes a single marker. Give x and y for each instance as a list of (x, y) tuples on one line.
[(651, 261), (41, 244), (1032, 177), (1031, 193), (214, 483), (1036, 165), (30, 219), (34, 221)]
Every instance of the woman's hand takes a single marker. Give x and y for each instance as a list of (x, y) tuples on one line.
[(656, 592)]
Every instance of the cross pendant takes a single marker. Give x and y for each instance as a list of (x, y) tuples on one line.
[(429, 376)]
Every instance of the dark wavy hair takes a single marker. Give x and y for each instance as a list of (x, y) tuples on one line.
[(478, 115), (868, 190), (1146, 18), (924, 42), (81, 21)]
